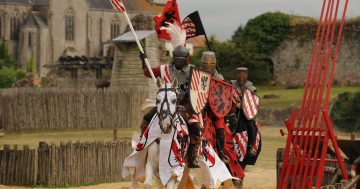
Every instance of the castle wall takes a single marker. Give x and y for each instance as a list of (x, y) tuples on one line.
[(292, 58), (6, 13), (57, 27)]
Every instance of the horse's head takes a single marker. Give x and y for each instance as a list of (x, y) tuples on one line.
[(166, 102)]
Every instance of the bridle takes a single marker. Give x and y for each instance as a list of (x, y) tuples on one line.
[(163, 114)]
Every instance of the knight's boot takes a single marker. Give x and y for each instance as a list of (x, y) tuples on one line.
[(251, 151), (193, 151), (221, 143)]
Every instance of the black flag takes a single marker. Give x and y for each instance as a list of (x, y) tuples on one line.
[(193, 25)]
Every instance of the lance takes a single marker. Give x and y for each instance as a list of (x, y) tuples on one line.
[(119, 5)]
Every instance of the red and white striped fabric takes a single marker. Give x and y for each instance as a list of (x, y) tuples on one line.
[(257, 142), (240, 144), (199, 89), (118, 5), (258, 138), (197, 119), (250, 104), (165, 74), (236, 96)]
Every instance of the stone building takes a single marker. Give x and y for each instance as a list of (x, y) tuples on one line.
[(44, 30)]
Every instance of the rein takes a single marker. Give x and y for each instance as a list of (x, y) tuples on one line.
[(163, 114)]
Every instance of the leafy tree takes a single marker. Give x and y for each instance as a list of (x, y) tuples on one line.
[(8, 73), (4, 56), (229, 57), (31, 66), (251, 47), (238, 34), (266, 31), (345, 112)]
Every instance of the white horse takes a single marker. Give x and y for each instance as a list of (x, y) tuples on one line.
[(165, 161), (166, 102)]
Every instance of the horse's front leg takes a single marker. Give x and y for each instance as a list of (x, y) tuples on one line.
[(152, 164), (173, 183)]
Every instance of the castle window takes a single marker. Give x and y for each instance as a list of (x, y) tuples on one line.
[(115, 28), (14, 26), (29, 39), (0, 28), (69, 25)]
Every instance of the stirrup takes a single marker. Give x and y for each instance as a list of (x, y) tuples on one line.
[(252, 152)]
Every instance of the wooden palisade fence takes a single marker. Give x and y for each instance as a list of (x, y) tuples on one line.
[(65, 164), (58, 109), (17, 166)]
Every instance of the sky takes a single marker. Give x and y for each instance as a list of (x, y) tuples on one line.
[(222, 17)]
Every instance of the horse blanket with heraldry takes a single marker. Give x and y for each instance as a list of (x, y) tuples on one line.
[(210, 135), (241, 145), (173, 148)]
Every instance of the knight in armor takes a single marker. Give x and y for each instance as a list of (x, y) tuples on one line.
[(179, 69), (208, 63), (239, 120)]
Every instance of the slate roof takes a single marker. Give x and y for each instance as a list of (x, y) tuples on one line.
[(41, 2), (129, 37), (25, 2), (106, 5), (34, 20), (16, 2)]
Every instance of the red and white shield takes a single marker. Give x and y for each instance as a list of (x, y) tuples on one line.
[(250, 104), (199, 89), (220, 97)]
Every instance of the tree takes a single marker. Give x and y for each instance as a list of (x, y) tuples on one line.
[(345, 112), (266, 31), (229, 57), (4, 56), (238, 34), (8, 73)]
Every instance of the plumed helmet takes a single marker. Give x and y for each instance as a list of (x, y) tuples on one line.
[(181, 55)]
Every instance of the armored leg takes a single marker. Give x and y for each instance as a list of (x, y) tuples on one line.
[(252, 131), (195, 142), (220, 136)]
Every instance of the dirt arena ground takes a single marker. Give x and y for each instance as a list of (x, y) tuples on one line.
[(260, 176)]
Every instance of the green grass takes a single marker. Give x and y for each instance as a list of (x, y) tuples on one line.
[(292, 97)]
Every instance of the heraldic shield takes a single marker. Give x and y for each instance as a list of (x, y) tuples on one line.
[(220, 97), (250, 104), (199, 89)]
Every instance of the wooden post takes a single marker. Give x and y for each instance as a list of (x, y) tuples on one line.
[(352, 136), (115, 134)]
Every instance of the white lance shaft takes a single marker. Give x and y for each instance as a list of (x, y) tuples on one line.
[(140, 47)]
